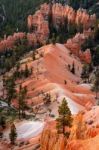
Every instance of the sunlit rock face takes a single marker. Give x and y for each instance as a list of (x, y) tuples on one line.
[(50, 140), (39, 22), (59, 15), (32, 39), (82, 137), (8, 43), (38, 25), (74, 45)]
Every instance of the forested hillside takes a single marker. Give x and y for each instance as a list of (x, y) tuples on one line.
[(15, 13)]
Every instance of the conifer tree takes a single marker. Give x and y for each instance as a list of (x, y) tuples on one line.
[(33, 56), (73, 68), (65, 118), (96, 84), (10, 89), (53, 40), (2, 122), (13, 134), (85, 73), (21, 100), (47, 99), (26, 71)]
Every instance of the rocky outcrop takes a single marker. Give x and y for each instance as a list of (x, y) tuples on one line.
[(52, 141), (39, 26), (59, 14), (8, 42), (81, 137), (74, 45)]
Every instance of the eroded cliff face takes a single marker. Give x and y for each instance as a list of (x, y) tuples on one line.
[(56, 15), (59, 14), (74, 45), (81, 137), (38, 25), (8, 42)]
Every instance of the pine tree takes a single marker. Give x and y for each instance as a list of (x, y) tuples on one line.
[(33, 56), (73, 68), (85, 73), (13, 134), (53, 40), (10, 89), (65, 118), (96, 84), (26, 71), (2, 122), (21, 100), (47, 99)]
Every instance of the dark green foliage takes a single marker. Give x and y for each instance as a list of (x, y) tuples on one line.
[(9, 58), (16, 12), (34, 55), (21, 101), (92, 44), (89, 43), (82, 3), (26, 71), (94, 9), (20, 73), (47, 99), (13, 134), (2, 122), (65, 118), (73, 68), (10, 89), (53, 39), (96, 56), (96, 37), (85, 73), (96, 83)]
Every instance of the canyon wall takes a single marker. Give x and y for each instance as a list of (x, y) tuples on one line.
[(59, 14), (81, 137), (38, 25)]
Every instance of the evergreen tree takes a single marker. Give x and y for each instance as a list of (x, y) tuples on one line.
[(65, 117), (33, 55), (2, 122), (13, 134), (26, 71), (85, 73), (10, 89), (95, 57), (47, 99), (73, 68), (96, 84), (21, 100), (53, 40)]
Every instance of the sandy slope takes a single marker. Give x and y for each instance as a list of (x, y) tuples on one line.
[(53, 71), (27, 130)]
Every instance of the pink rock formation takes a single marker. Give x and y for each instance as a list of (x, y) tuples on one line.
[(32, 39), (9, 42), (38, 23), (74, 45), (50, 140), (39, 26)]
